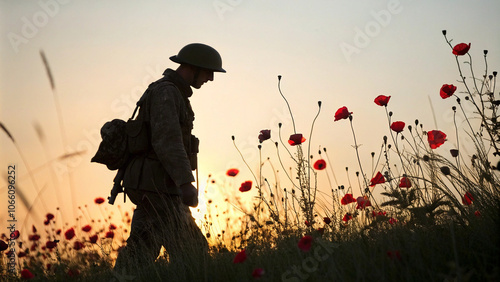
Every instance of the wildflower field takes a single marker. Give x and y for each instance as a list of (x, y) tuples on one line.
[(417, 213)]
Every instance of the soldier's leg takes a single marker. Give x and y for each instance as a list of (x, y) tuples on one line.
[(184, 242), (144, 243)]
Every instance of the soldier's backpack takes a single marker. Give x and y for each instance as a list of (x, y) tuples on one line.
[(122, 140)]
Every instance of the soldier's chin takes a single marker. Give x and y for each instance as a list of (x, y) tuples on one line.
[(198, 86)]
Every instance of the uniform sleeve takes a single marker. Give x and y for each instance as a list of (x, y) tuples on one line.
[(166, 133)]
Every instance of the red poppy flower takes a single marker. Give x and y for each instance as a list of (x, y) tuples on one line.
[(320, 165), (69, 234), (46, 222), (398, 126), (50, 244), (382, 100), (3, 246), (49, 216), (347, 217), (257, 273), (77, 245), (232, 172), (363, 202), (461, 49), (467, 199), (73, 272), (447, 90), (112, 226), (34, 237), (347, 199), (342, 113), (110, 234), (375, 214), (394, 255), (436, 138), (246, 186), (240, 257), (26, 274), (99, 200), (404, 183), (93, 239), (14, 235), (327, 220), (264, 135), (378, 179), (392, 220), (87, 228), (305, 243), (296, 139)]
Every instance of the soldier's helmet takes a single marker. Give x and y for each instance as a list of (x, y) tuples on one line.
[(199, 55)]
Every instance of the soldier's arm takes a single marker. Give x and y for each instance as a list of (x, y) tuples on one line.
[(166, 133)]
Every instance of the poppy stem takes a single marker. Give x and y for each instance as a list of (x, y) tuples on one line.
[(288, 105)]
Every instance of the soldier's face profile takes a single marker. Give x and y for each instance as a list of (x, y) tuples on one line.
[(203, 76)]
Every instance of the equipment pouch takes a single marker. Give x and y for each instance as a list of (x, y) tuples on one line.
[(138, 136), (193, 152)]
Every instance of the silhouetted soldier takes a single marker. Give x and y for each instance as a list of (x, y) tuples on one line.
[(159, 181)]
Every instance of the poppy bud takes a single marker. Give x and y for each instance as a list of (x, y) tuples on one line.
[(373, 154), (445, 170), (350, 117), (319, 152), (319, 104), (402, 137), (416, 122), (485, 52), (389, 146), (426, 158), (232, 137), (385, 139), (342, 187), (357, 173), (260, 147), (324, 149), (279, 77), (454, 153), (490, 77), (390, 114), (494, 73), (276, 143), (409, 127), (454, 108), (467, 98), (444, 32), (279, 125)]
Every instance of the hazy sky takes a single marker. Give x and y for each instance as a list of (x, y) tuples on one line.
[(103, 54)]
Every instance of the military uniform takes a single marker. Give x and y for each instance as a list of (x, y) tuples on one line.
[(152, 180)]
